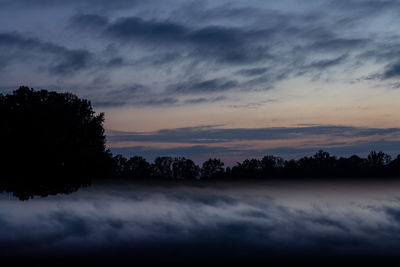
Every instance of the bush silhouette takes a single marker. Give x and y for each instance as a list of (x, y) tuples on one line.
[(52, 143)]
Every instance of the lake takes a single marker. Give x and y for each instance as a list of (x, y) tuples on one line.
[(207, 221)]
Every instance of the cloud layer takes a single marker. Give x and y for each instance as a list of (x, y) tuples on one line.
[(209, 43)]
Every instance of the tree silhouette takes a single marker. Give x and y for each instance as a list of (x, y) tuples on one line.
[(183, 168), (394, 166), (212, 168), (119, 168), (354, 166), (378, 159), (320, 165), (51, 143), (162, 167), (138, 167), (271, 165), (250, 168)]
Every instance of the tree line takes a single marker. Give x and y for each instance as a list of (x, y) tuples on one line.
[(321, 164), (55, 143)]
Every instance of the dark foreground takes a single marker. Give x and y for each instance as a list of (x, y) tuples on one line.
[(312, 222)]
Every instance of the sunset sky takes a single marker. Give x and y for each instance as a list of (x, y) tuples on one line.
[(228, 79)]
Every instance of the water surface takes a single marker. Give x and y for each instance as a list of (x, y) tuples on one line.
[(260, 220)]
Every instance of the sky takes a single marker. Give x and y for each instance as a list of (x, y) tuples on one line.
[(227, 79)]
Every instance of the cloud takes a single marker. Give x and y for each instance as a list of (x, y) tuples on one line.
[(60, 60), (203, 87), (127, 92), (73, 61), (323, 64), (252, 105), (87, 22), (226, 44), (286, 43), (254, 41), (394, 214), (219, 135), (392, 71), (202, 100), (338, 44), (230, 45), (90, 5), (370, 7), (138, 95), (132, 28), (252, 71), (201, 53), (155, 102)]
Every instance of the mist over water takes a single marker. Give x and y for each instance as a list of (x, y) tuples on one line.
[(260, 220)]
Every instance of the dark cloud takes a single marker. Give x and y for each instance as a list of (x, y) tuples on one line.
[(138, 95), (88, 22), (60, 60), (252, 71), (323, 64), (392, 71), (365, 6), (162, 58), (202, 100), (227, 44), (127, 92), (339, 44), (134, 28), (217, 135), (393, 214), (160, 101), (234, 45), (72, 61), (268, 45), (203, 87), (90, 5), (237, 45), (116, 62), (252, 105), (137, 102)]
